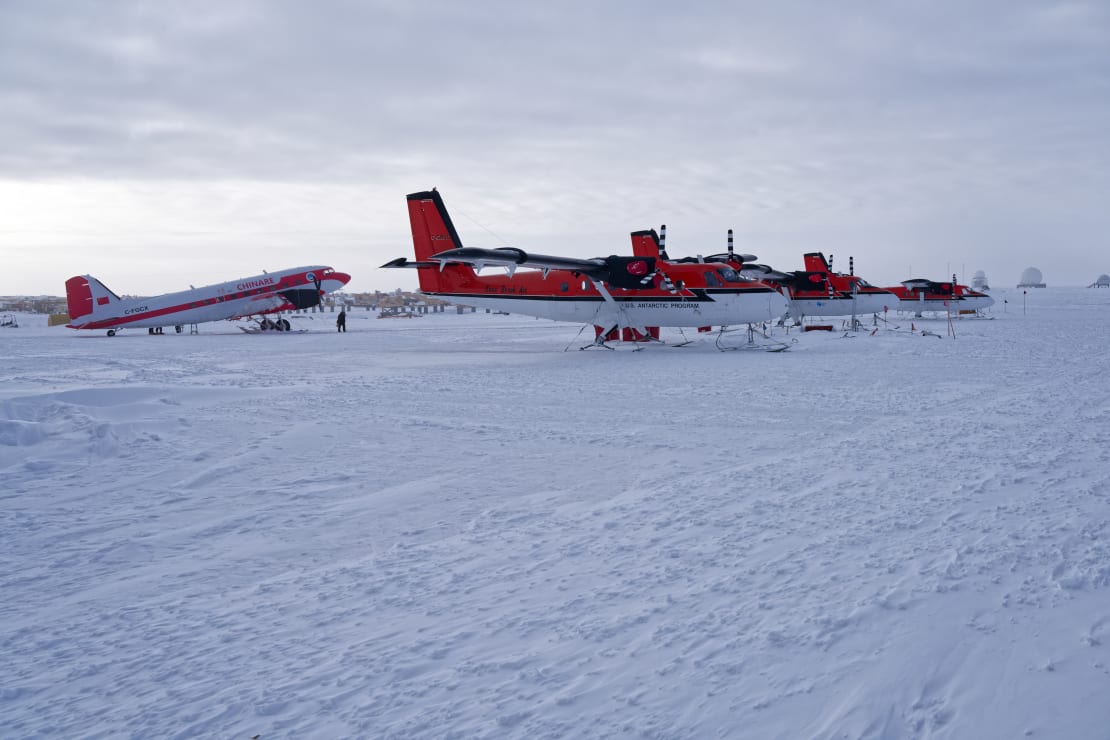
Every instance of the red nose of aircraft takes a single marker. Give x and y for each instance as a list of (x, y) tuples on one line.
[(334, 281)]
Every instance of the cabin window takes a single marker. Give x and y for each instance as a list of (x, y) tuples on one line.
[(584, 285), (564, 287), (712, 281)]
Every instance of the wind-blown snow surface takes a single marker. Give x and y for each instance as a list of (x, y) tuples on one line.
[(450, 527)]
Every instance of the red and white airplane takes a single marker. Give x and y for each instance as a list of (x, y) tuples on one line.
[(93, 306), (939, 297), (621, 296), (818, 291)]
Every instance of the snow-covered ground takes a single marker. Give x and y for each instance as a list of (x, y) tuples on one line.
[(450, 527)]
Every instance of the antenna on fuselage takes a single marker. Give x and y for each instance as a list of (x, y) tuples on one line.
[(663, 242)]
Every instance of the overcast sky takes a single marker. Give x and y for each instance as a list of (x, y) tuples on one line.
[(158, 144)]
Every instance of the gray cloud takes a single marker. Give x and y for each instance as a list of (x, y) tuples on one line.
[(909, 132)]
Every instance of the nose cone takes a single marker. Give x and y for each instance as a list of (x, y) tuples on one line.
[(335, 281), (777, 304), (875, 301)]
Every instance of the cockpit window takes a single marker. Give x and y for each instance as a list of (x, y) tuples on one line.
[(730, 275), (712, 281)]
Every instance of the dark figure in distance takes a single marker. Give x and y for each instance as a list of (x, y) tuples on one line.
[(341, 321)]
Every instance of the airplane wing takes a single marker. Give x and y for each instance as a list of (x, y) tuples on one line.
[(501, 257), (263, 304), (765, 272), (513, 258), (622, 272)]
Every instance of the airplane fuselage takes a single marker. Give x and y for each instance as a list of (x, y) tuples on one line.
[(563, 296), (922, 296), (865, 301)]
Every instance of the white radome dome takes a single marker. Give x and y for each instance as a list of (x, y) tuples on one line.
[(1031, 276)]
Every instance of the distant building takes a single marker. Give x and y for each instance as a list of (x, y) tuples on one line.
[(1102, 282), (979, 281), (1031, 278)]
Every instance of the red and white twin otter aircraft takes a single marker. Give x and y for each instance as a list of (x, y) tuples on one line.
[(623, 296), (940, 297), (94, 306)]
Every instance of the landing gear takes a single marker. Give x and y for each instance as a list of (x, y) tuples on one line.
[(111, 332), (177, 328)]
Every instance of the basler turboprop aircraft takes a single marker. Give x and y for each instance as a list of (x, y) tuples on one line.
[(94, 306), (947, 297), (620, 296)]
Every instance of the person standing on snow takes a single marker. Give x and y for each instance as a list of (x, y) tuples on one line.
[(341, 321)]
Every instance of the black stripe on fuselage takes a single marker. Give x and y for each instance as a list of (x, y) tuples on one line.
[(700, 295)]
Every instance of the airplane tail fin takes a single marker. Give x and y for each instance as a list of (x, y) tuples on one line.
[(88, 297), (816, 262), (646, 244), (434, 232)]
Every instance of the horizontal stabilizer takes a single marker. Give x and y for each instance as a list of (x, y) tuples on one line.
[(402, 262)]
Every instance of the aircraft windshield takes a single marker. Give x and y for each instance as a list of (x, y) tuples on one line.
[(730, 275)]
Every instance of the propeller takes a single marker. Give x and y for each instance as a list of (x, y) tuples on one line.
[(731, 257)]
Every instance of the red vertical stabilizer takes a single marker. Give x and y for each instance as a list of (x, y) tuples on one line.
[(816, 262), (79, 298), (433, 232)]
